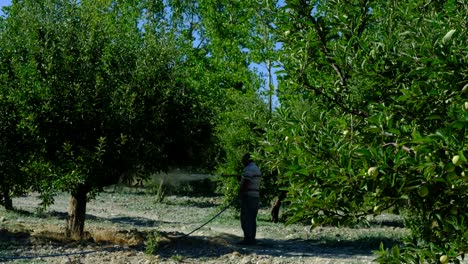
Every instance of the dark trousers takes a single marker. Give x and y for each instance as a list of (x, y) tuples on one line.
[(248, 215)]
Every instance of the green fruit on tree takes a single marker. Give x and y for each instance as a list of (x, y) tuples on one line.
[(373, 171), (456, 160), (465, 106), (443, 259), (423, 191), (377, 209)]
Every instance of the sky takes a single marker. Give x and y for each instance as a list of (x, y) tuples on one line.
[(4, 3)]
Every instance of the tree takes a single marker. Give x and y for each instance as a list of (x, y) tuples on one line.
[(97, 89), (229, 38), (14, 148), (387, 91), (239, 132)]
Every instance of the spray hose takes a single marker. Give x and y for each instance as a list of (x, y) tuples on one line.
[(207, 222)]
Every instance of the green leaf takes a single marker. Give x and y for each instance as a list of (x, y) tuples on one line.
[(448, 36)]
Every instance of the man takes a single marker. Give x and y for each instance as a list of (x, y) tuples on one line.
[(249, 196)]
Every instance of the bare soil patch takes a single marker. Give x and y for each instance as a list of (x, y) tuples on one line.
[(120, 223)]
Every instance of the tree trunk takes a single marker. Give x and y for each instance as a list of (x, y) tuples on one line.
[(276, 207), (5, 198), (76, 214)]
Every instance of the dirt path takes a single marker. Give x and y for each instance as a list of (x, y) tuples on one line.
[(120, 224)]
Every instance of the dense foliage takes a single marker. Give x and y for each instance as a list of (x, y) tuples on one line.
[(12, 156), (382, 121)]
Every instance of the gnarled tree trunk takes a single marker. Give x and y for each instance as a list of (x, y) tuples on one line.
[(77, 214), (5, 198), (276, 207)]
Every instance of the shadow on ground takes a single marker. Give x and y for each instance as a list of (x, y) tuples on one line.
[(219, 245), (195, 203), (134, 221), (137, 221)]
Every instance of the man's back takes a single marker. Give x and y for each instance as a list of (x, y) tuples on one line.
[(250, 182)]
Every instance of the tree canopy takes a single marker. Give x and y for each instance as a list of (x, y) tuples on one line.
[(100, 95)]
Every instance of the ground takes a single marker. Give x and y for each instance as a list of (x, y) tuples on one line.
[(125, 225)]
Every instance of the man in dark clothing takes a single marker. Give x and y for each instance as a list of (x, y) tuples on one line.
[(249, 196)]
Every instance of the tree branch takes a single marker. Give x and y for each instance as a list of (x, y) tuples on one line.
[(336, 101), (304, 12), (405, 148), (322, 38), (363, 23)]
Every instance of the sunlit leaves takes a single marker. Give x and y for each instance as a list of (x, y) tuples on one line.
[(389, 78)]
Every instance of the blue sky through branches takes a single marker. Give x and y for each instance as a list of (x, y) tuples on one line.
[(4, 3)]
